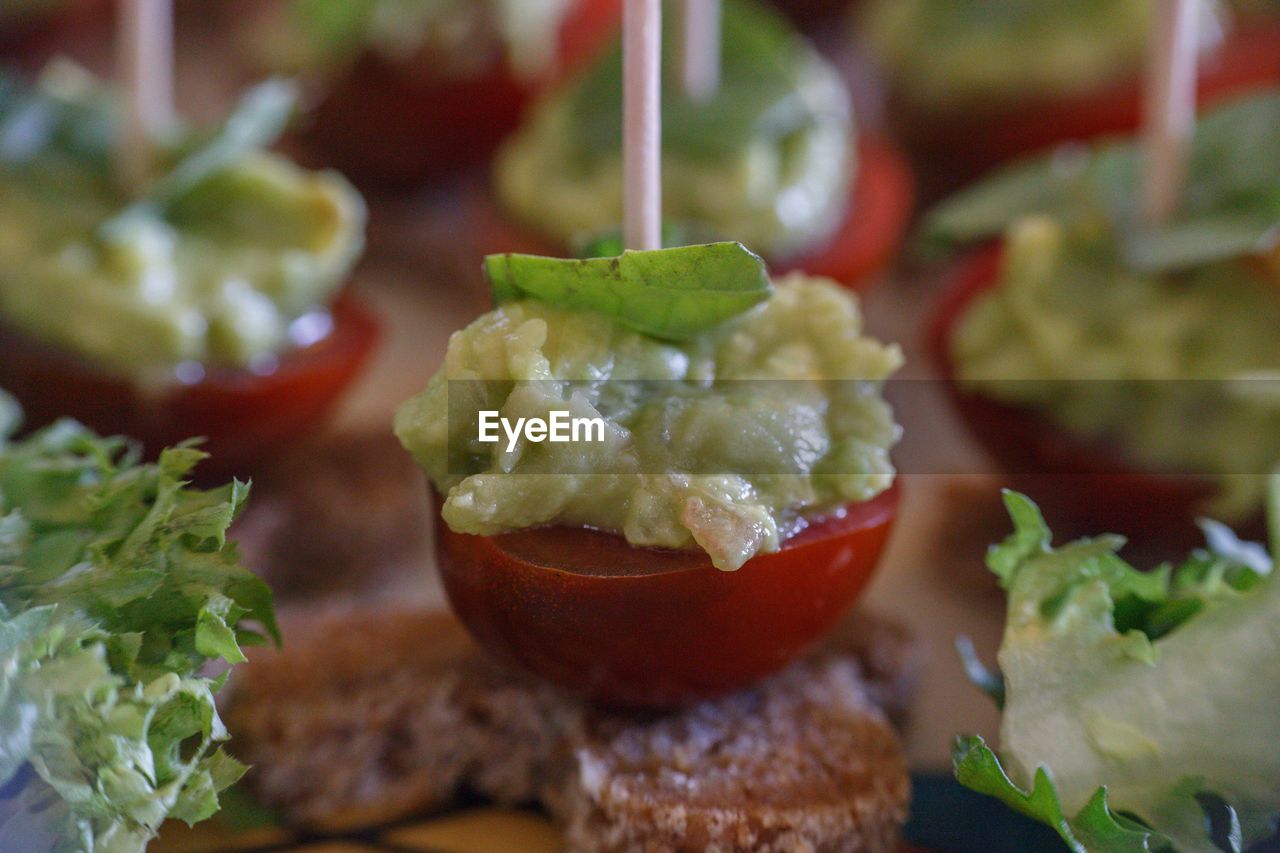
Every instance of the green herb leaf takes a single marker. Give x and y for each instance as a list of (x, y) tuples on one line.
[(1230, 205), (1095, 828), (257, 121), (764, 63), (674, 294), (117, 588)]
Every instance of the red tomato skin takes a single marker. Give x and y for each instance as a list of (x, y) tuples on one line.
[(28, 45), (866, 242), (644, 628), (1082, 487), (390, 124), (244, 417), (972, 140)]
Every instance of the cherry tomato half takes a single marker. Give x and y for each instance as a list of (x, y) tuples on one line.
[(244, 416), (970, 141), (641, 627), (29, 41), (867, 240), (1082, 484), (388, 123)]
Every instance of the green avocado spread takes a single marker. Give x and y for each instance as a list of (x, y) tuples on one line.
[(457, 37), (946, 54), (214, 261), (1158, 341), (1135, 360), (767, 160), (724, 441)]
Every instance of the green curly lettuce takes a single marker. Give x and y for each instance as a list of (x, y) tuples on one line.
[(118, 593), (1141, 710)]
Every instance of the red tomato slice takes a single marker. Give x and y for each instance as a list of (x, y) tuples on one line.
[(395, 123), (868, 238), (1077, 482), (29, 43), (654, 628), (976, 139), (243, 415)]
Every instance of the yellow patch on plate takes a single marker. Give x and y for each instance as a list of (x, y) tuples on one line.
[(213, 837), (479, 831)]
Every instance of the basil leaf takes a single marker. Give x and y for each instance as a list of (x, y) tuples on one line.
[(1230, 206), (64, 114), (763, 67), (674, 294), (257, 121)]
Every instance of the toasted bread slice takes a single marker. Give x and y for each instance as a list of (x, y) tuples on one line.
[(372, 715)]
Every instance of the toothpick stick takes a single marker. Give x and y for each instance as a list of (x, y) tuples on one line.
[(1170, 109), (642, 124), (145, 69), (700, 49)]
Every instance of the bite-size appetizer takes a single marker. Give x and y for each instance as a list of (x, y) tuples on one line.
[(728, 495), (411, 91), (772, 159), (1138, 709), (206, 302), (973, 83), (1142, 360)]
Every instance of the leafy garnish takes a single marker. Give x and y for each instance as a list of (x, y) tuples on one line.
[(1230, 205), (674, 294), (1139, 708), (256, 122), (761, 93), (117, 590), (1094, 827)]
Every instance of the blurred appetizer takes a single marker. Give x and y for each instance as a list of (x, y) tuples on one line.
[(728, 495), (415, 90), (119, 590), (1130, 356), (973, 82), (206, 302), (772, 159), (342, 739), (1139, 709)]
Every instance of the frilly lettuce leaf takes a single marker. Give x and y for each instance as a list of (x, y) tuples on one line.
[(1140, 709), (1230, 206), (117, 590)]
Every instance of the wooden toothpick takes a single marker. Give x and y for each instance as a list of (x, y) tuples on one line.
[(642, 124), (1170, 108), (145, 76)]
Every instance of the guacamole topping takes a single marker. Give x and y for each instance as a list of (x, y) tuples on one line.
[(946, 54), (458, 37), (725, 441), (1132, 358), (213, 262), (1149, 329), (768, 160)]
